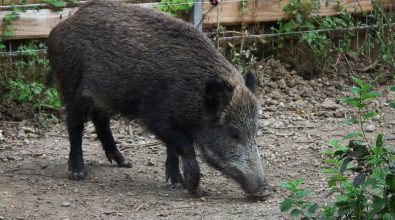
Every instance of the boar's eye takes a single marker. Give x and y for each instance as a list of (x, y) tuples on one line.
[(234, 134)]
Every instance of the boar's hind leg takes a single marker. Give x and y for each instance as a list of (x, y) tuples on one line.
[(102, 126), (177, 140), (75, 125), (173, 167)]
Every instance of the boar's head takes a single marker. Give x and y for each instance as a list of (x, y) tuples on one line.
[(228, 138)]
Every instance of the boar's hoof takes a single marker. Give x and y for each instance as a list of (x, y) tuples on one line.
[(77, 175), (200, 193), (191, 175), (125, 164), (177, 186), (119, 159), (191, 181)]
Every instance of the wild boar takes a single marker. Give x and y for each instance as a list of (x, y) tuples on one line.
[(114, 58)]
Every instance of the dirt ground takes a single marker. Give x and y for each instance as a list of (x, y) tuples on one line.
[(298, 118)]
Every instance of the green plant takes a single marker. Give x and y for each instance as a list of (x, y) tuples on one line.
[(174, 7), (242, 55), (308, 30), (376, 39), (7, 25), (55, 3), (392, 89), (296, 202), (8, 18), (31, 92), (20, 83), (362, 173)]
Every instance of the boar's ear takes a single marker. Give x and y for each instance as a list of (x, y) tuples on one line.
[(250, 81), (217, 96)]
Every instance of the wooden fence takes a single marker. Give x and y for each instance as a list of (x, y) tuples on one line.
[(33, 24)]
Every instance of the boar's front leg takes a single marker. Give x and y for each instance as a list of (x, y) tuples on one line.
[(103, 130), (178, 143)]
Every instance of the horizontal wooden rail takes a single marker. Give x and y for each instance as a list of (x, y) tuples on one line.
[(231, 13), (33, 24), (36, 23)]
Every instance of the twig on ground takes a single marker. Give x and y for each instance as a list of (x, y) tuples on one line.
[(140, 145), (295, 126), (371, 66)]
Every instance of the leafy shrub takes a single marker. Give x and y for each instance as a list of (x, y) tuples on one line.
[(21, 82), (175, 7), (362, 174), (32, 92)]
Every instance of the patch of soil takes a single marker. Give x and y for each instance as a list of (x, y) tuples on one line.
[(11, 111), (286, 90), (298, 118)]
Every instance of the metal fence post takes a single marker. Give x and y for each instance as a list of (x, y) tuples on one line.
[(196, 15)]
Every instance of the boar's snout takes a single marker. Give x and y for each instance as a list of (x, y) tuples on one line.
[(260, 189), (253, 180)]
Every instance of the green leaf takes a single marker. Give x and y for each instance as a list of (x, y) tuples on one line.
[(388, 216), (392, 104), (334, 189), (297, 182), (350, 121), (341, 198), (55, 3), (359, 151), (379, 140), (59, 4), (287, 27), (378, 151), (328, 152), (334, 179), (370, 95), (296, 212), (392, 88), (369, 115), (334, 143), (356, 90), (361, 84), (331, 161), (329, 170), (8, 33), (328, 212), (286, 204), (351, 101), (312, 208), (356, 144), (291, 185), (376, 191), (302, 193), (353, 135), (341, 150), (379, 174), (359, 180), (10, 17), (344, 165), (390, 182), (377, 205), (285, 185)]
